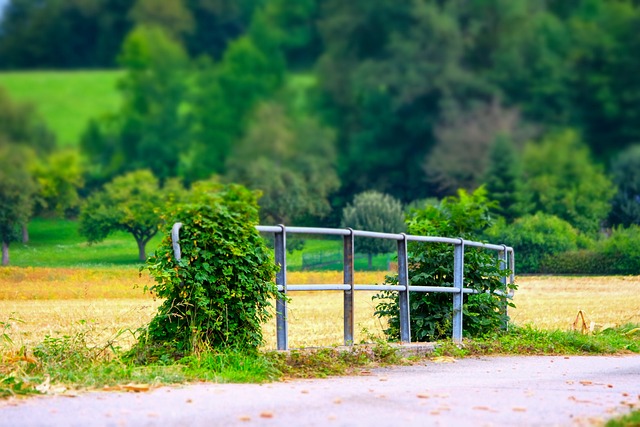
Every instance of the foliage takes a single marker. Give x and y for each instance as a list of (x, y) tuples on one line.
[(172, 16), (431, 264), (561, 179), (503, 179), (221, 290), (535, 237), (464, 139), (59, 179), (616, 255), (291, 160), (22, 137), (374, 211), (528, 340), (628, 420), (149, 131), (58, 34), (625, 169), (132, 203)]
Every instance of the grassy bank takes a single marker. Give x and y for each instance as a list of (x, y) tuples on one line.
[(65, 99)]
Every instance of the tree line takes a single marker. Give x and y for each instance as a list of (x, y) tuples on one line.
[(317, 101)]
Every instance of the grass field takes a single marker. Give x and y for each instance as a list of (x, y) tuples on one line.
[(65, 99), (107, 304)]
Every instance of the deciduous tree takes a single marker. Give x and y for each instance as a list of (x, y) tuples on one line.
[(132, 203), (374, 211)]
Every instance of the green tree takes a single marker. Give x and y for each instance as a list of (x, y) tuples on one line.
[(374, 211), (561, 179), (24, 139), (291, 160), (503, 178), (625, 170), (17, 188), (59, 178), (54, 34), (132, 203), (172, 16), (150, 129)]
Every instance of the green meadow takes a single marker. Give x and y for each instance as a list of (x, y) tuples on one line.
[(66, 100)]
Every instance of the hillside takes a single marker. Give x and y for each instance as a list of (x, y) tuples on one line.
[(66, 100)]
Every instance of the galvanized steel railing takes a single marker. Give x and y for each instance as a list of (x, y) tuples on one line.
[(505, 256)]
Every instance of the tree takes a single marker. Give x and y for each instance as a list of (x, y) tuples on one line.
[(464, 139), (374, 211), (503, 178), (132, 203), (561, 179), (625, 209), (251, 70), (56, 34), (16, 193), (172, 16), (59, 178), (24, 138), (291, 160), (150, 129)]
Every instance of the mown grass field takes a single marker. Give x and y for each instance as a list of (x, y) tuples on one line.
[(66, 99), (109, 303)]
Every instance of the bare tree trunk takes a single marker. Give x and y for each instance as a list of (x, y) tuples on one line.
[(142, 254), (25, 234), (5, 253)]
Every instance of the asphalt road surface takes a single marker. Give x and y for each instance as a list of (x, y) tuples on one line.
[(490, 391)]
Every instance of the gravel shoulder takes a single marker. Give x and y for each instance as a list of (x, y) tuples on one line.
[(488, 391)]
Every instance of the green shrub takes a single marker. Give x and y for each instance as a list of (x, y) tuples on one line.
[(219, 293), (618, 254), (432, 264), (534, 238)]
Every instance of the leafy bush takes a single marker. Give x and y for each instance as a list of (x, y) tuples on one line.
[(618, 254), (219, 293), (432, 264), (535, 237)]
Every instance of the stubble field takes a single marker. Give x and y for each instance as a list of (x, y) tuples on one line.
[(107, 305)]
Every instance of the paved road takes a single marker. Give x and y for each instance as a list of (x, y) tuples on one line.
[(492, 391)]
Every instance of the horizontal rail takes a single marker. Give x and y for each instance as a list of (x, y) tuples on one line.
[(505, 258)]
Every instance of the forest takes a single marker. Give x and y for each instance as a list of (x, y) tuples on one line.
[(533, 103)]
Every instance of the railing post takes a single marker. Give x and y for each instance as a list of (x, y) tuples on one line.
[(348, 294), (403, 296), (458, 282), (281, 279), (502, 255)]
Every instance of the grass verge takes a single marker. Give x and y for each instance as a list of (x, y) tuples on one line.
[(630, 420), (66, 364)]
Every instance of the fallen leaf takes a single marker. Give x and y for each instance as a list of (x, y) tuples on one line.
[(384, 379), (585, 382), (136, 387), (189, 400), (304, 391), (365, 372), (423, 396), (244, 418), (519, 409), (481, 408), (443, 359), (266, 414), (337, 401)]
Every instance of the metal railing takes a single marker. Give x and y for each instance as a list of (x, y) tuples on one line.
[(505, 257)]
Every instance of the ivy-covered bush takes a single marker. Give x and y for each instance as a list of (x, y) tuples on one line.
[(431, 264), (535, 237), (220, 292)]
